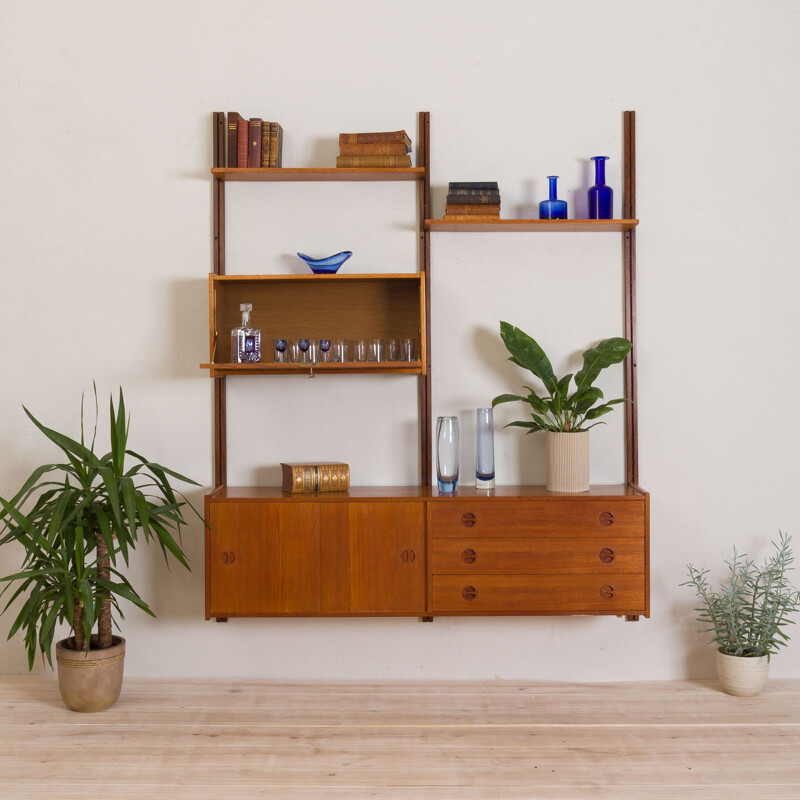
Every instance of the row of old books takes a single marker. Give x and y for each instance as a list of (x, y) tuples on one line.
[(303, 478), (472, 201), (376, 149), (253, 142)]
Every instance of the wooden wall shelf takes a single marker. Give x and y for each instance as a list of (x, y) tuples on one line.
[(533, 225), (222, 369), (318, 174)]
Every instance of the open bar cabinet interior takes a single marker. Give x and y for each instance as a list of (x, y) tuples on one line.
[(407, 550)]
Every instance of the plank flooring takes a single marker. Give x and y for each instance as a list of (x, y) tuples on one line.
[(245, 739)]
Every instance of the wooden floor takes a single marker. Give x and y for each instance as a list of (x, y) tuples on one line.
[(242, 740)]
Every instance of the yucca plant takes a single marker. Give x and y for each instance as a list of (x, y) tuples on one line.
[(558, 410), (76, 521), (748, 615)]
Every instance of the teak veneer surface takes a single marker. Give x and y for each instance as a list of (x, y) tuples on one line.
[(498, 740), (532, 225), (319, 174)]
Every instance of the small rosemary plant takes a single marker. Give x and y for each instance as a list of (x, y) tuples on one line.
[(747, 616)]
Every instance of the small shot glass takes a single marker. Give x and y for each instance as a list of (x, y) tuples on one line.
[(341, 352), (360, 350), (313, 350), (293, 351), (375, 350), (407, 349), (390, 349)]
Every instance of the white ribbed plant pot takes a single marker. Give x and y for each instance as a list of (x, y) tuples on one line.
[(568, 462), (742, 676)]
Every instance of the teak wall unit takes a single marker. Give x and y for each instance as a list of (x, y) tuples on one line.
[(408, 551)]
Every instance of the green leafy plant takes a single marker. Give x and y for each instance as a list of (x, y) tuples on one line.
[(76, 520), (558, 410), (748, 614)]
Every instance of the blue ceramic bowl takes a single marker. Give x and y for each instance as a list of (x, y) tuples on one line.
[(326, 266)]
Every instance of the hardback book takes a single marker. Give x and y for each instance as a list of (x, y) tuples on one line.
[(471, 217), (474, 199), (254, 142), (375, 137), (275, 144), (242, 143), (266, 138), (232, 148), (373, 161), (473, 208), (467, 187), (375, 149), (309, 477)]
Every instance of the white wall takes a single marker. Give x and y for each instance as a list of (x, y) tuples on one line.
[(105, 244)]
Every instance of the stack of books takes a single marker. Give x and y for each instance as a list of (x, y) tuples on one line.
[(472, 202), (252, 142), (374, 150)]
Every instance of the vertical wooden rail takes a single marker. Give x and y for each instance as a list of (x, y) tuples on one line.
[(425, 433), (220, 415), (629, 255)]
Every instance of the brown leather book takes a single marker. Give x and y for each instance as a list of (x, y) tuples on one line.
[(302, 478), (254, 142), (376, 149), (266, 138), (483, 211), (241, 142), (375, 137), (492, 198), (275, 144), (231, 157), (373, 161)]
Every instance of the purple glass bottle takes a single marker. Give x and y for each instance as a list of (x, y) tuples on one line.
[(601, 197), (553, 208)]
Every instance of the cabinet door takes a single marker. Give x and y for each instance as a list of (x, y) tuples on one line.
[(373, 558), (262, 559)]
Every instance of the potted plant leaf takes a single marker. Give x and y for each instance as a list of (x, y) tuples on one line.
[(77, 521), (563, 415), (748, 616)]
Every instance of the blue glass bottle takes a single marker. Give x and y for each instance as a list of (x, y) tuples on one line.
[(553, 208), (601, 197)]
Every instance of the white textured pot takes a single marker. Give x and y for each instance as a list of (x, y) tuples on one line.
[(568, 462), (743, 676)]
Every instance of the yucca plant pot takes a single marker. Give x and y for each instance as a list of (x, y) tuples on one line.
[(568, 461), (742, 676), (90, 681)]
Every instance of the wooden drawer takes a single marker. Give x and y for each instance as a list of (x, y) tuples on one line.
[(545, 516), (613, 593), (517, 556)]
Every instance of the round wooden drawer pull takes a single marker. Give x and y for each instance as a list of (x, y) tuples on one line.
[(606, 518), (228, 556), (469, 556), (607, 555), (408, 556), (468, 519), (607, 592), (469, 592)]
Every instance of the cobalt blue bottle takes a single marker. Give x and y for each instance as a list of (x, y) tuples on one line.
[(553, 208), (601, 197)]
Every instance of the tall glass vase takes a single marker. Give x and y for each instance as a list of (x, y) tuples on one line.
[(553, 208), (484, 449), (447, 452), (601, 197)]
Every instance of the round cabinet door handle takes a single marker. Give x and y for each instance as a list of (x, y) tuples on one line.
[(607, 592), (469, 556), (228, 557), (469, 592), (607, 555), (606, 518), (468, 519), (408, 556)]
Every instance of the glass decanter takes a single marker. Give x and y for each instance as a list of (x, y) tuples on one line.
[(245, 341)]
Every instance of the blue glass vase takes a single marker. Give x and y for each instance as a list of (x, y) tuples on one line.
[(601, 197), (553, 208)]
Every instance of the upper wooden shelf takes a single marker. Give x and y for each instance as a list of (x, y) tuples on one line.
[(318, 174), (311, 277), (533, 225), (220, 369)]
